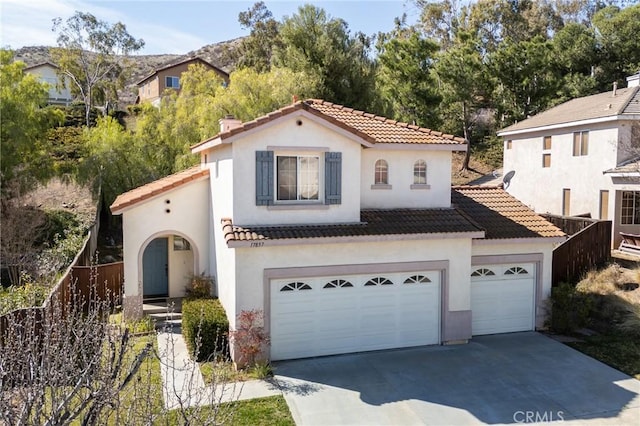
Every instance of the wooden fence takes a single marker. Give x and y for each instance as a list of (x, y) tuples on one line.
[(589, 245), (80, 283)]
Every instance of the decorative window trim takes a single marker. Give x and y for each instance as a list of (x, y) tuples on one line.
[(339, 283), (417, 279), (295, 286), (381, 186), (378, 281), (420, 186), (483, 272)]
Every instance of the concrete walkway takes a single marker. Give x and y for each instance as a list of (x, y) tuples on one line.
[(184, 386)]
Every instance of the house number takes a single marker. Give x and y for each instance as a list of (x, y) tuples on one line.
[(258, 244)]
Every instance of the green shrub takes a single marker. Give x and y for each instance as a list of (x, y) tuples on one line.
[(570, 309), (24, 296), (205, 328)]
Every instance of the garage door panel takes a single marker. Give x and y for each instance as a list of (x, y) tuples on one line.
[(503, 301), (333, 320)]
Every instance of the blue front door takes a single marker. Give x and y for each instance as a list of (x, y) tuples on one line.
[(155, 268)]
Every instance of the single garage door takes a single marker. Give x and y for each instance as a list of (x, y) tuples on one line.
[(502, 298), (353, 313)]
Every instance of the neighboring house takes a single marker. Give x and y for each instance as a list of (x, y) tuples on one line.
[(152, 87), (343, 228), (581, 157), (59, 93)]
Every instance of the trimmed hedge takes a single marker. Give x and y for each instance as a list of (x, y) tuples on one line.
[(205, 319)]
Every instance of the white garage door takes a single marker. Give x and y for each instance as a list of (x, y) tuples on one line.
[(353, 313), (502, 298)]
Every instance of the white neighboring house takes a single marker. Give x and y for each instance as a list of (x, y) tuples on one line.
[(581, 157), (59, 93), (343, 228)]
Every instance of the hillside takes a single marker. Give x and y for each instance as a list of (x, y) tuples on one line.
[(144, 64)]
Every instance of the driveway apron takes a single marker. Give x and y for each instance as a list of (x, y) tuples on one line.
[(500, 379)]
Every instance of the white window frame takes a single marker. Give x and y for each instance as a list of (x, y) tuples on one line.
[(630, 214), (298, 156)]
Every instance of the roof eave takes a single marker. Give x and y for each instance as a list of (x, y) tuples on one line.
[(505, 132), (353, 239), (521, 240)]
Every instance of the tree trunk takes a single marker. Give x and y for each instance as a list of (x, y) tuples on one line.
[(467, 134)]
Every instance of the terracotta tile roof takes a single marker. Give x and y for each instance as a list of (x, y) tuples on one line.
[(500, 214), (373, 222), (157, 187), (630, 166), (370, 127), (626, 101)]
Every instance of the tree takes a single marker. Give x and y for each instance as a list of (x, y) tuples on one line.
[(25, 121), (405, 79), (322, 47), (465, 86), (526, 79), (255, 51), (92, 56)]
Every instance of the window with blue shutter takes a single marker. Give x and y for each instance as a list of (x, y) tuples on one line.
[(333, 178), (264, 178)]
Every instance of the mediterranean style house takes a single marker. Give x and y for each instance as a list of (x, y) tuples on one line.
[(59, 93), (343, 228), (581, 157), (151, 87)]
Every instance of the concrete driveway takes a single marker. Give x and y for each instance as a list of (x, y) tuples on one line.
[(511, 378)]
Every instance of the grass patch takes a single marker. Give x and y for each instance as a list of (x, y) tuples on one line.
[(225, 371), (141, 326), (618, 351), (268, 411)]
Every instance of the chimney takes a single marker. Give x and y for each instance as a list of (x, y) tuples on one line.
[(633, 80), (229, 122), (615, 87)]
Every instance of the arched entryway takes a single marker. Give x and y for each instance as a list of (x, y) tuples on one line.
[(168, 263)]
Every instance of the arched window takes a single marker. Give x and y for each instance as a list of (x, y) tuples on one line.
[(295, 286), (420, 172), (382, 173)]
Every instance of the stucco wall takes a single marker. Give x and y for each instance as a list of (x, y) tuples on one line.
[(222, 260), (542, 188), (189, 207), (279, 136), (251, 263), (48, 74), (400, 173)]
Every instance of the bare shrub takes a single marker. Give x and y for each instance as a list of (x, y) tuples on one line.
[(249, 338)]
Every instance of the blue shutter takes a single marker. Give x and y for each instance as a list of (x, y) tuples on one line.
[(264, 178), (333, 178)]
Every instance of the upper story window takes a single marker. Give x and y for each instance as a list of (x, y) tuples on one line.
[(546, 143), (298, 178), (172, 82), (546, 160), (580, 143), (381, 176), (509, 144), (420, 172), (630, 212)]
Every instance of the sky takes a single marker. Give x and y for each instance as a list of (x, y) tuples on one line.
[(175, 26)]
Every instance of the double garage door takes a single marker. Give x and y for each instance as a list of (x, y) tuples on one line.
[(352, 313), (502, 298)]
